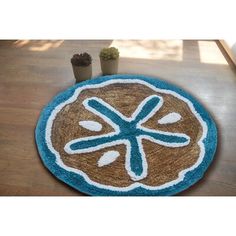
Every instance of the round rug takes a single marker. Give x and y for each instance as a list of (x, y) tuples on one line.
[(126, 135)]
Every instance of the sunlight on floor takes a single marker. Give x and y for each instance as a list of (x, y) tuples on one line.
[(20, 43), (210, 53), (38, 45), (166, 50), (150, 49)]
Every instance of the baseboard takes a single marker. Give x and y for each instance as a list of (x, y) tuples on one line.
[(230, 48)]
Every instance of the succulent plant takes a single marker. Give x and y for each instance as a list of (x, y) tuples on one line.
[(111, 53), (82, 59)]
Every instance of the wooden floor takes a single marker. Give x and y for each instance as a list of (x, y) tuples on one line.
[(32, 72)]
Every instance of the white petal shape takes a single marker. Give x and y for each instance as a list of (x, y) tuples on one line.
[(107, 158), (91, 125), (170, 118)]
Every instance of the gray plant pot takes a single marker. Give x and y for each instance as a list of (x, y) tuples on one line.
[(82, 73), (109, 67)]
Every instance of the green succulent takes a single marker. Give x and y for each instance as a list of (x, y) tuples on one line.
[(111, 53)]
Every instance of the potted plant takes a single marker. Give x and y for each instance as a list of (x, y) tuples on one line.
[(82, 66), (109, 59)]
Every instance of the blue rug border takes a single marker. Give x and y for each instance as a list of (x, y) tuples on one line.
[(76, 181)]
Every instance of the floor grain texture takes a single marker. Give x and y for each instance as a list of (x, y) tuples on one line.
[(32, 72)]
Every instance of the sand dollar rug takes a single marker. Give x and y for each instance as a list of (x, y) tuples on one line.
[(126, 135)]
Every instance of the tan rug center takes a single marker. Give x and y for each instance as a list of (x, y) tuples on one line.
[(108, 165)]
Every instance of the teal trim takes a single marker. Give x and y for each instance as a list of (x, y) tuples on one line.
[(78, 182)]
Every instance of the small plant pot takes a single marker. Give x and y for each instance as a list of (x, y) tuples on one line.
[(109, 67), (82, 73)]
